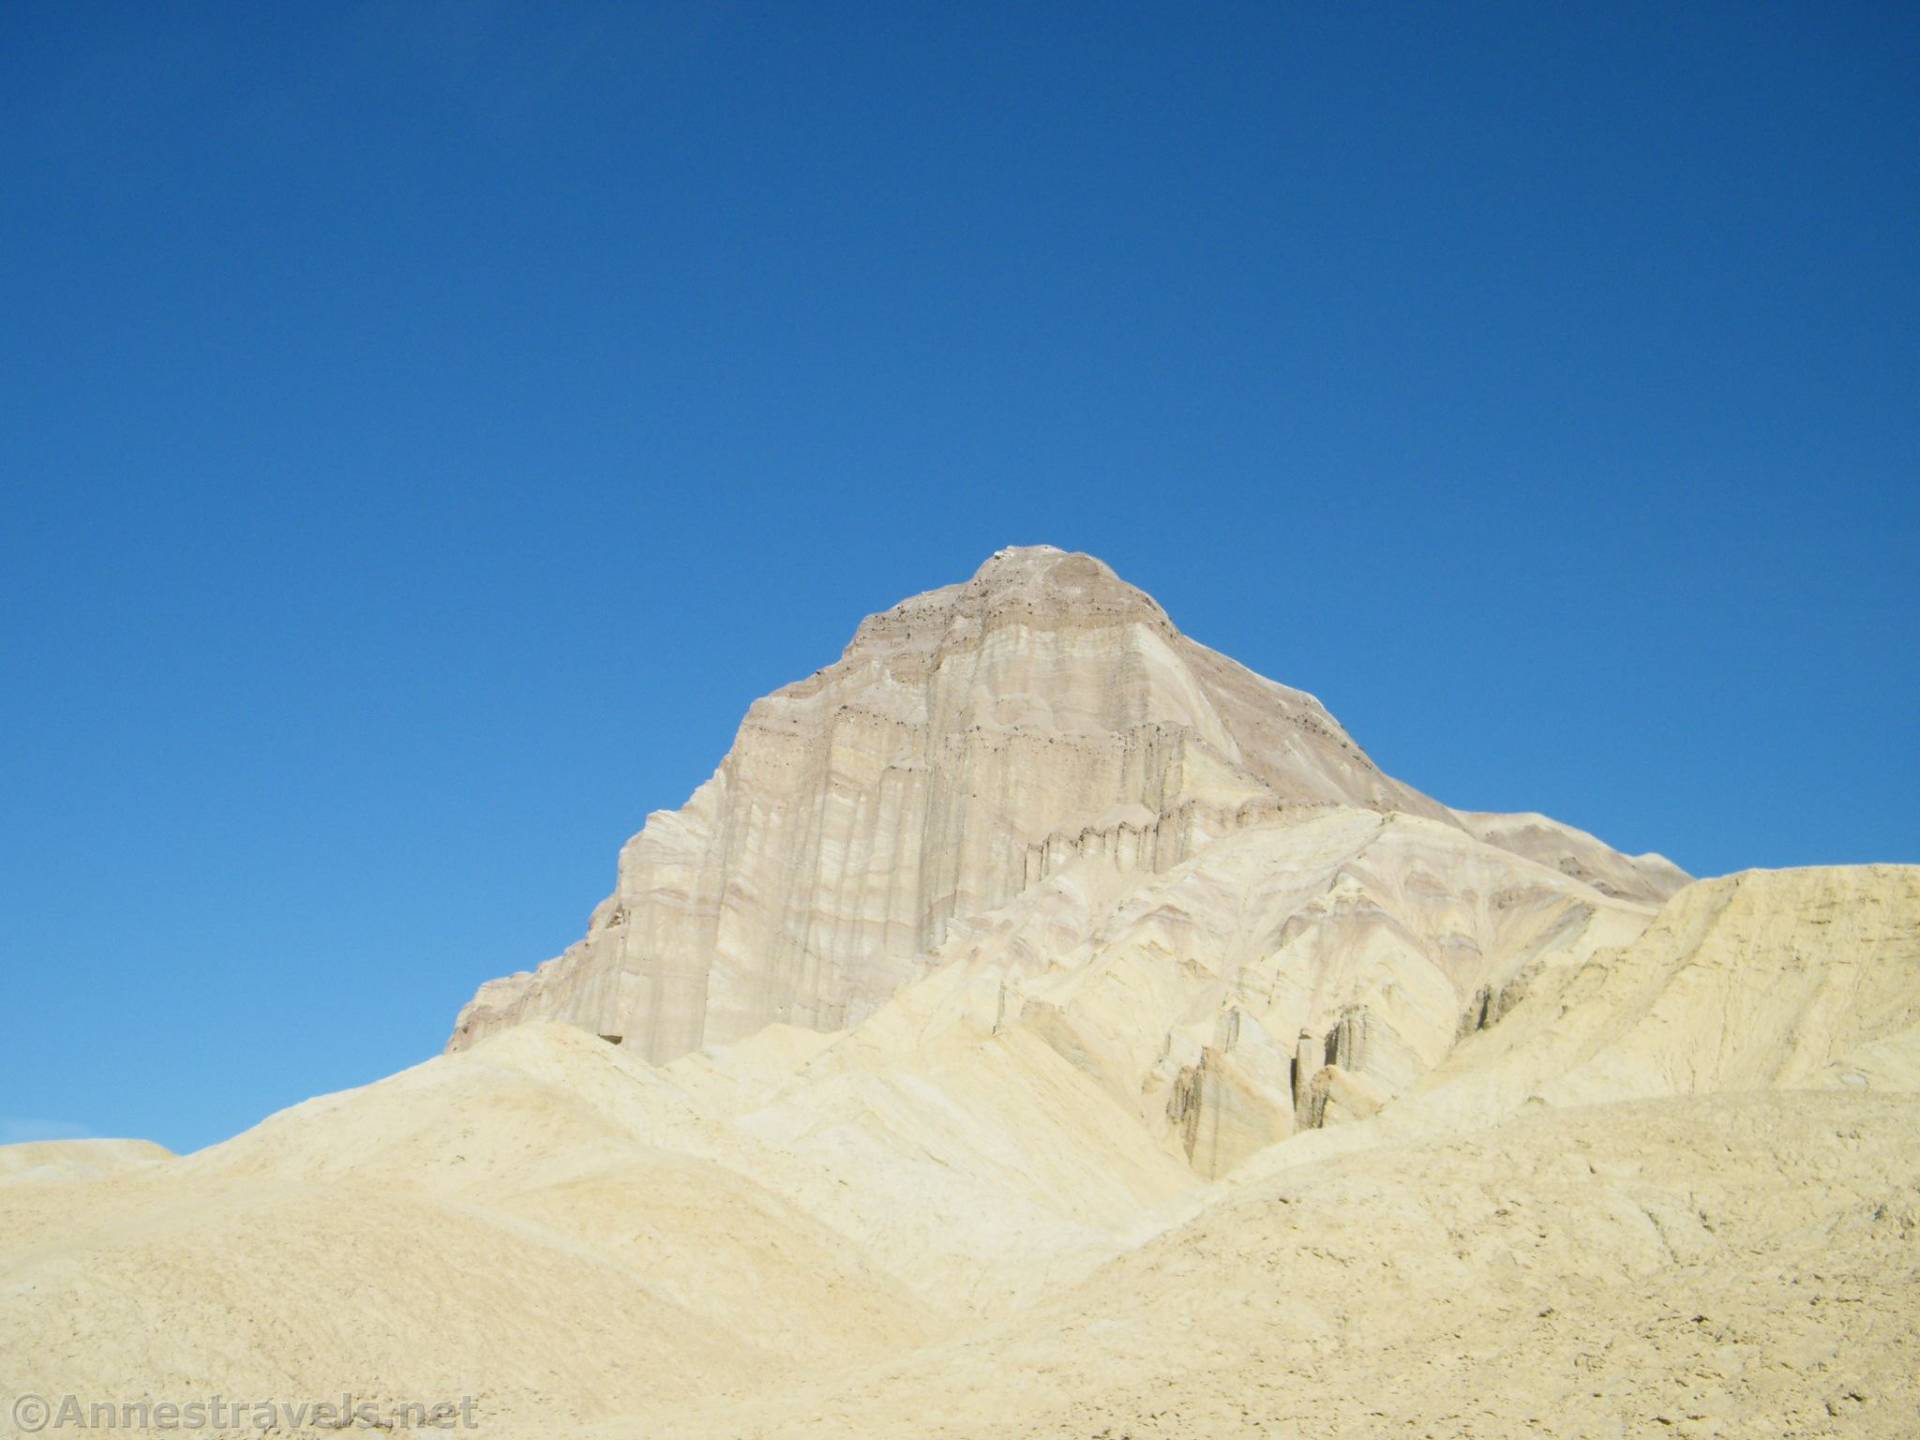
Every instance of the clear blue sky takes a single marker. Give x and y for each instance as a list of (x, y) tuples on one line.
[(424, 428)]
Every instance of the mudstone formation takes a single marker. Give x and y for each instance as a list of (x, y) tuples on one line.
[(976, 742), (1042, 1026)]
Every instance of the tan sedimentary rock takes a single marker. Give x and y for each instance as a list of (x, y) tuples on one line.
[(1763, 979), (1299, 972), (970, 742), (1154, 1066), (1574, 852), (944, 1221)]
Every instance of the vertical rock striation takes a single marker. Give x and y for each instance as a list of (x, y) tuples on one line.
[(968, 743), (971, 744)]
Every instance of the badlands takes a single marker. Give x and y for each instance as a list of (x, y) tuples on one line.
[(1041, 1025)]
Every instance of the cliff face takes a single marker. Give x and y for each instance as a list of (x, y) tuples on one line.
[(969, 742)]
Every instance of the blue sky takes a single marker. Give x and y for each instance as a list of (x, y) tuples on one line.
[(423, 429)]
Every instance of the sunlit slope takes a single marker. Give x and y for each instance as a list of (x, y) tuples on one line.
[(1765, 979), (1552, 1159), (530, 1223), (1707, 1266)]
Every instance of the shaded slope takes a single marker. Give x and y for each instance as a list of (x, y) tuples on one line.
[(1574, 852)]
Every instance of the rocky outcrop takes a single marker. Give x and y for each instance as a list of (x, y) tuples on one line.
[(969, 743), (1768, 979), (1296, 974), (1575, 853)]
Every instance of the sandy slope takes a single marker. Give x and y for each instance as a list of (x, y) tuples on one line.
[(1098, 1044), (1785, 978), (1734, 1266), (959, 1219), (76, 1159), (500, 1224)]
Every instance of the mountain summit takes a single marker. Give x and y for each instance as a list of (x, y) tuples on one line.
[(1157, 1013), (968, 743)]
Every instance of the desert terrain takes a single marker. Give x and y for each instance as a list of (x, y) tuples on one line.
[(1041, 1025)]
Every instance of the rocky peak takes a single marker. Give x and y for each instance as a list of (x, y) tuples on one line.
[(1032, 585), (969, 742)]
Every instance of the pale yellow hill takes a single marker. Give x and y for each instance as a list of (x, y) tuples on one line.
[(504, 1224), (1765, 979), (1739, 1266), (76, 1159), (983, 1212)]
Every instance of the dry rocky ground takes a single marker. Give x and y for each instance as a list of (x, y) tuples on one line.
[(1042, 1026)]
